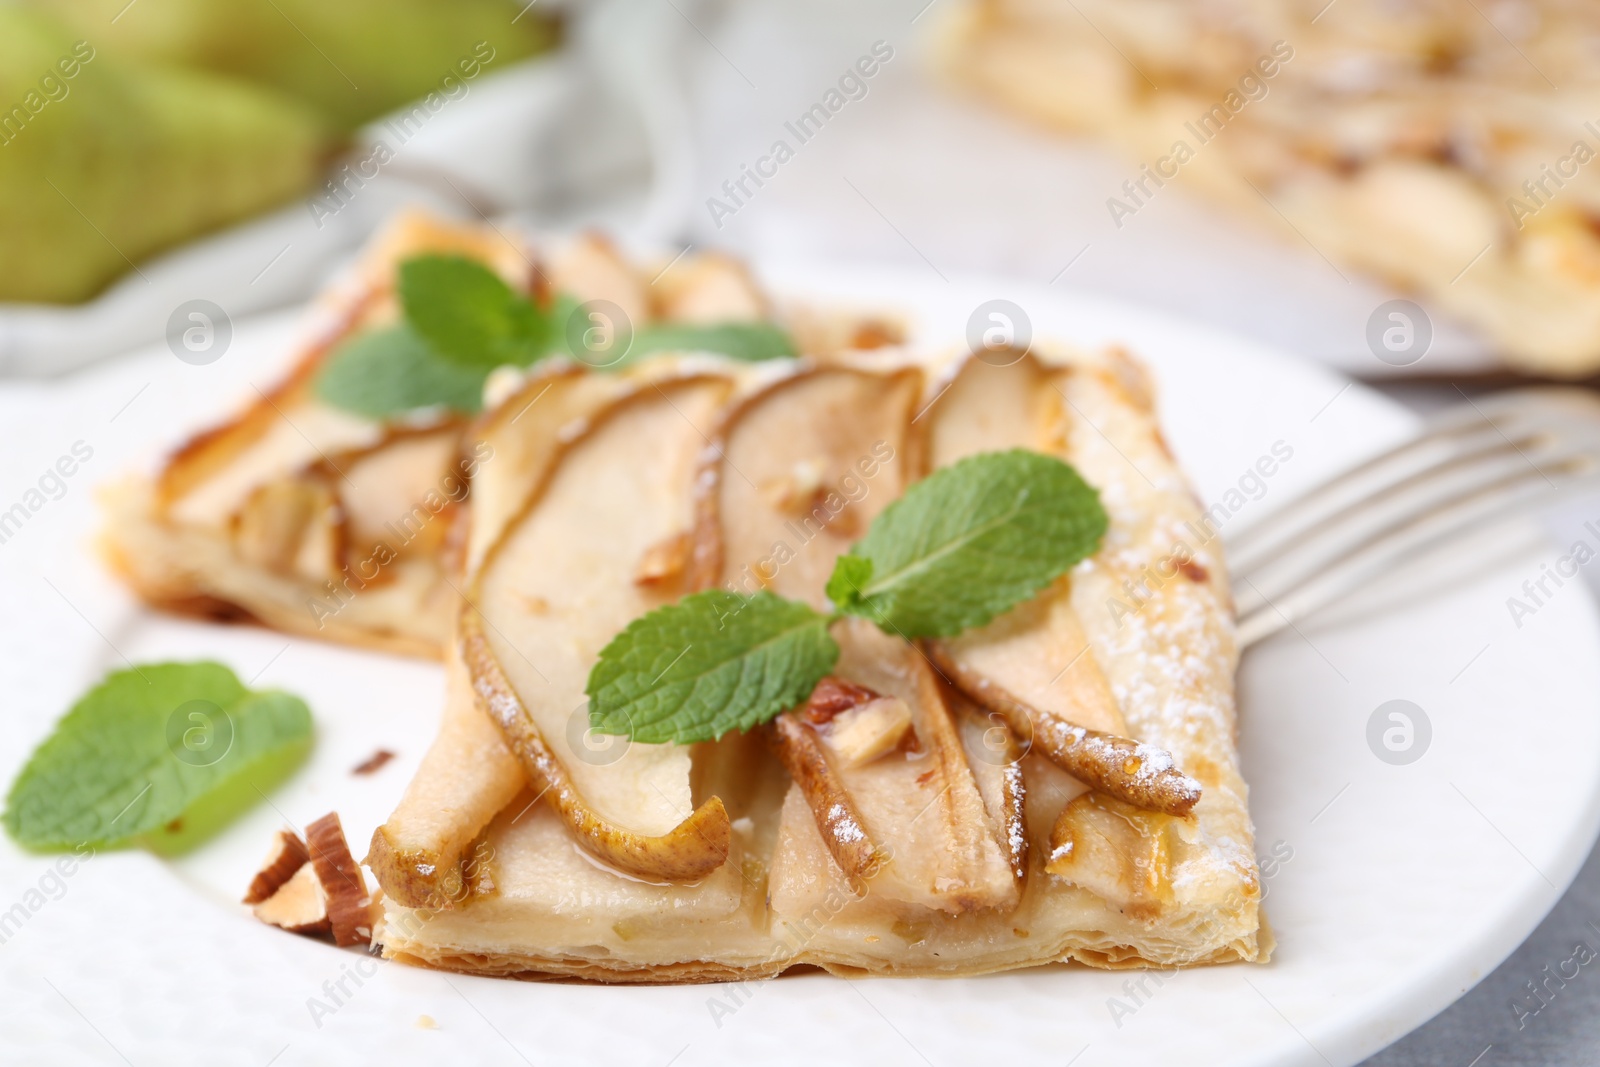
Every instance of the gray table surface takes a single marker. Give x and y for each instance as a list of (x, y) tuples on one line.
[(1483, 1028)]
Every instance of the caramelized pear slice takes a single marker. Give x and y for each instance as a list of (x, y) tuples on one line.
[(708, 288), (400, 491), (796, 473), (1139, 774), (843, 830), (1117, 852), (919, 806), (513, 446), (686, 853), (556, 588), (591, 268), (989, 403), (995, 756), (292, 527), (467, 776), (1037, 654), (1034, 658)]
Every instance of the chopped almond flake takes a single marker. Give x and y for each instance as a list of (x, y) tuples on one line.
[(373, 762), (349, 905), (286, 856), (833, 695)]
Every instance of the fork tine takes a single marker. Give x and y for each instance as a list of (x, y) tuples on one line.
[(1397, 507), (1422, 534), (1464, 429), (1475, 461), (1325, 514)]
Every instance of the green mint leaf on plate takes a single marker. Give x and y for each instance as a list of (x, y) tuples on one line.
[(149, 746), (713, 662), (469, 314), (388, 372), (748, 341), (969, 542)]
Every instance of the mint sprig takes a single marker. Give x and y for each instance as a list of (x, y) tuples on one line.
[(461, 321), (470, 316), (713, 662), (965, 544), (750, 342), (150, 745), (969, 543), (390, 371)]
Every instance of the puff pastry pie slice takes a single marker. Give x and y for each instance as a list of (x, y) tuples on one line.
[(320, 522), (1061, 784)]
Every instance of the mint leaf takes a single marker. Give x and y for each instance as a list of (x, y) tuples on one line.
[(388, 372), (749, 341), (469, 314), (969, 542), (850, 573), (147, 746), (713, 662)]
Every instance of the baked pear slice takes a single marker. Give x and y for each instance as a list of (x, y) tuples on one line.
[(1035, 667), (556, 588), (913, 820), (797, 472), (519, 439), (995, 755), (466, 778), (1036, 656)]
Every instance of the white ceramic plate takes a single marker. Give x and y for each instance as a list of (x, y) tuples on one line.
[(1396, 886)]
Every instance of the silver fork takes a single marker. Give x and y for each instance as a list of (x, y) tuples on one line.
[(1471, 464)]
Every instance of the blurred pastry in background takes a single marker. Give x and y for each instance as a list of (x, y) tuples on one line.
[(128, 129), (1447, 148)]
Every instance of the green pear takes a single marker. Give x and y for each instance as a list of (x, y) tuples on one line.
[(352, 60), (104, 162)]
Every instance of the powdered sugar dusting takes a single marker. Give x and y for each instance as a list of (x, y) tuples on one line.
[(844, 827), (1164, 639)]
